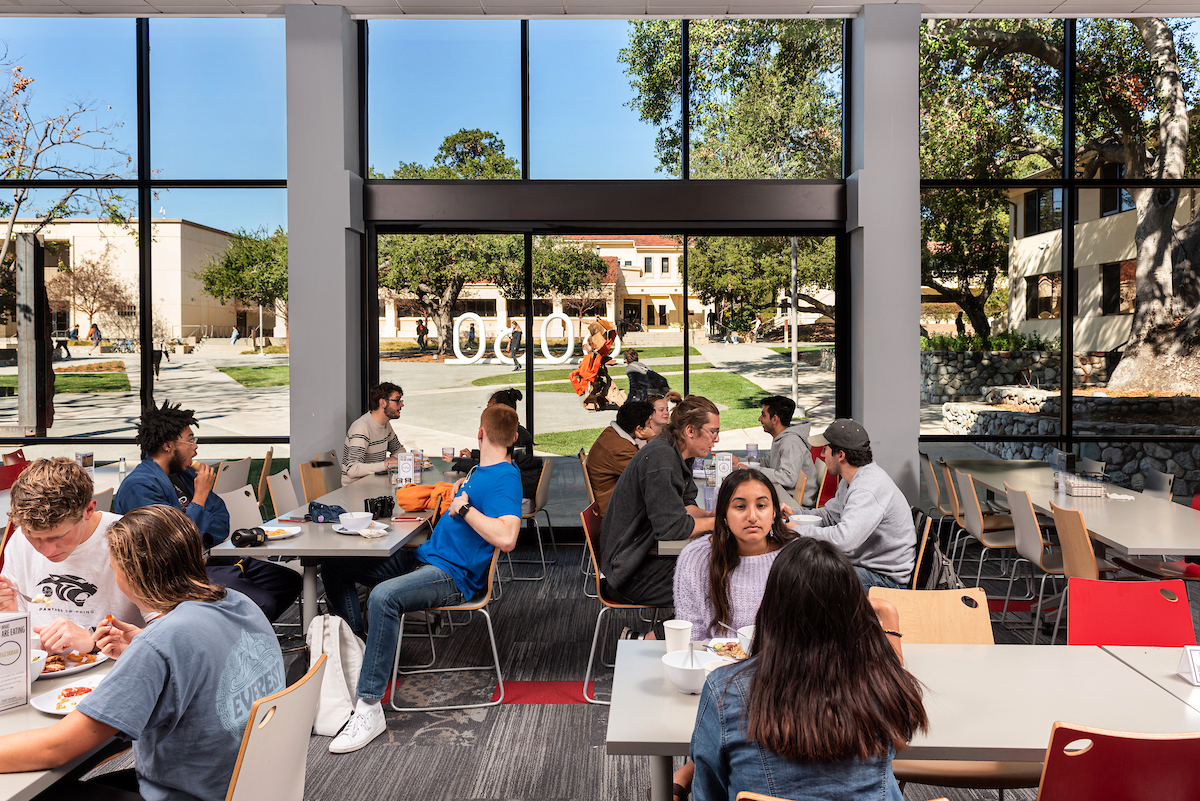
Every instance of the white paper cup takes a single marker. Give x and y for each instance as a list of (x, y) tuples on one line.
[(679, 634)]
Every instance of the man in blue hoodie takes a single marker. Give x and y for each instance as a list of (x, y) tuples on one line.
[(170, 475)]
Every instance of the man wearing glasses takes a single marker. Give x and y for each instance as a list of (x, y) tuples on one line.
[(371, 444), (170, 475)]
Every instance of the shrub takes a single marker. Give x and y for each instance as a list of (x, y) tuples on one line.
[(1008, 340)]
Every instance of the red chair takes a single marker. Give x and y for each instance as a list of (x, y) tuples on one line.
[(8, 531), (1115, 764), (9, 473), (1196, 500), (16, 457), (1148, 613), (829, 482)]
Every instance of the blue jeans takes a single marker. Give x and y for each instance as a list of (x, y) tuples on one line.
[(870, 578), (400, 584)]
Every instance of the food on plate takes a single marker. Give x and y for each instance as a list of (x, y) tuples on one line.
[(63, 661), (730, 649), (70, 697), (277, 532)]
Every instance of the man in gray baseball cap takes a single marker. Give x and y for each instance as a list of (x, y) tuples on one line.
[(868, 519)]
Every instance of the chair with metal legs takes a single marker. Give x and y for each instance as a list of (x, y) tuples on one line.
[(994, 532), (539, 507), (585, 564), (477, 604)]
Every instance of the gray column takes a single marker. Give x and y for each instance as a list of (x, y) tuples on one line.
[(884, 221), (325, 228)]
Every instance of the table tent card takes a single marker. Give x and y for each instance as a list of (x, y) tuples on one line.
[(724, 464), (1189, 664), (405, 469), (88, 462), (14, 660)]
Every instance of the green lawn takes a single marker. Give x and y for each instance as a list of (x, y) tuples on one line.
[(518, 379), (567, 443), (258, 376), (664, 352), (80, 382)]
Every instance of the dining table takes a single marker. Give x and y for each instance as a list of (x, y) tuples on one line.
[(28, 784), (317, 541), (1142, 526), (1161, 666), (984, 702)]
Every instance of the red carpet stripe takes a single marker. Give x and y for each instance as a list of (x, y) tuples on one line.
[(542, 692)]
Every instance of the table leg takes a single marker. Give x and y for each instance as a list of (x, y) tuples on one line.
[(661, 769), (308, 603)]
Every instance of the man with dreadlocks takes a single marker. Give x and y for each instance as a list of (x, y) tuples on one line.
[(170, 475)]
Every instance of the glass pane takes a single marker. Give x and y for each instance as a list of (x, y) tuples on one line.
[(90, 276), (230, 74), (991, 98), (81, 72), (1131, 91), (220, 258), (600, 91), (766, 96), (444, 98), (1141, 466), (990, 333)]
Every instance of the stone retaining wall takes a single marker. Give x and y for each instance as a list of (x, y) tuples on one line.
[(1126, 461), (1085, 407), (950, 375)]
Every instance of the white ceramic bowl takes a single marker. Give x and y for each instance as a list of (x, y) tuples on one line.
[(805, 520), (688, 680), (355, 521), (37, 662), (745, 637), (709, 667)]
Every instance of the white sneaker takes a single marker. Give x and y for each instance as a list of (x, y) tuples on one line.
[(362, 728)]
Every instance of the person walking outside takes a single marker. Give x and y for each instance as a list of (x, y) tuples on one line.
[(94, 336), (514, 342), (422, 332)]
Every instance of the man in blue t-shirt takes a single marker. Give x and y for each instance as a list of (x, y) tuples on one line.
[(484, 515)]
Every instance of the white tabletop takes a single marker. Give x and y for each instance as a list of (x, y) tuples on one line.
[(319, 539), (987, 702), (1143, 526), (22, 786), (1161, 666)]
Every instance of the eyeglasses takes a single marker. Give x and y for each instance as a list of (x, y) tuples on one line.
[(192, 441), (712, 432), (396, 400)]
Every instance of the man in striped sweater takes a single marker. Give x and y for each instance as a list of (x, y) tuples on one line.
[(371, 444)]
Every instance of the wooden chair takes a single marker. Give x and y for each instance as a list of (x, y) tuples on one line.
[(585, 564), (1078, 555), (587, 480), (1119, 765), (932, 486), (1146, 613), (539, 507), (922, 543), (242, 507), (331, 468), (798, 491), (477, 604), (283, 492), (104, 500), (829, 482), (312, 481), (263, 486), (994, 532), (231, 475), (271, 762), (590, 518), (952, 617)]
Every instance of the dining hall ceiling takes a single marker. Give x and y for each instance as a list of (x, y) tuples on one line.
[(619, 9)]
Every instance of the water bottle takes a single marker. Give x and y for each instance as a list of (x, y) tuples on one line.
[(121, 470)]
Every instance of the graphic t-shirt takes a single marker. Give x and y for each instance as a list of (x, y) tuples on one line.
[(181, 491), (457, 548), (81, 588), (182, 692)]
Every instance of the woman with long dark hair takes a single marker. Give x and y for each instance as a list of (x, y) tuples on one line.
[(720, 578), (819, 709)]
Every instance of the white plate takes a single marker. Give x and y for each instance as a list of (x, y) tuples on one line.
[(805, 520), (376, 525), (48, 702), (76, 669), (292, 531), (713, 643)]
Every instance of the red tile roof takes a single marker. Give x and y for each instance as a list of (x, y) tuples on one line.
[(639, 240)]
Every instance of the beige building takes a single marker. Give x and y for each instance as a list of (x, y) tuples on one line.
[(180, 249)]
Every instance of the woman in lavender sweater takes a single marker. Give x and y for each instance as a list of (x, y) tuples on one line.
[(720, 578)]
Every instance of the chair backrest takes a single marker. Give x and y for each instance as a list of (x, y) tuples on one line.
[(931, 482), (9, 473), (104, 500), (15, 457), (1117, 764), (1079, 557), (271, 762), (263, 486), (1158, 484), (8, 531), (587, 479), (972, 514), (592, 520), (312, 481), (1087, 465), (243, 508), (957, 617), (331, 468), (951, 494), (798, 492), (829, 486), (1196, 500), (1028, 533), (922, 541), (231, 475), (283, 492), (543, 488), (1147, 613)]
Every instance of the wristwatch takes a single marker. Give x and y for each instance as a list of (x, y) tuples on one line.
[(462, 510)]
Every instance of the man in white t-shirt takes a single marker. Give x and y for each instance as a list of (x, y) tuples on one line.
[(60, 554)]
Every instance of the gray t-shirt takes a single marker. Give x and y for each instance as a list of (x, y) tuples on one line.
[(182, 692)]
